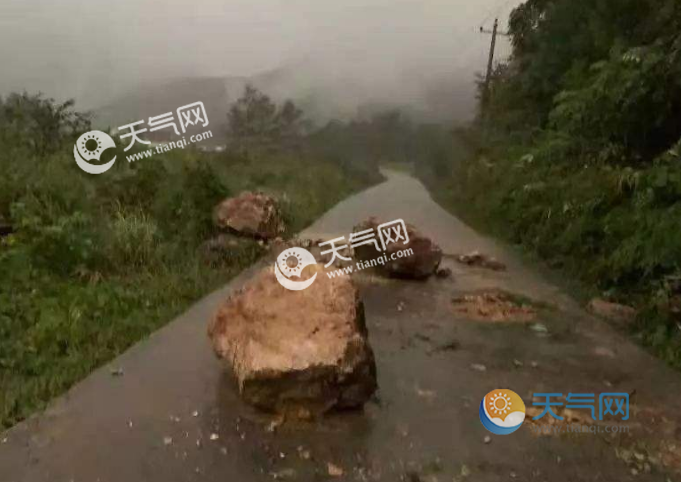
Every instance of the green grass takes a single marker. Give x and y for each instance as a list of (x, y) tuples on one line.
[(614, 230), (99, 262)]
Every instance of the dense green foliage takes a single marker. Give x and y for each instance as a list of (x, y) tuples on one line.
[(576, 155), (97, 262)]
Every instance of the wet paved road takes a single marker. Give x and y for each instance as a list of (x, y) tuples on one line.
[(174, 416)]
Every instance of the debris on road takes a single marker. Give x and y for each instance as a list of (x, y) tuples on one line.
[(420, 264), (479, 260), (495, 306), (539, 328), (304, 453), (334, 470), (289, 350), (487, 439), (117, 372), (478, 367), (448, 346), (548, 425), (167, 440), (284, 474), (427, 394), (443, 273)]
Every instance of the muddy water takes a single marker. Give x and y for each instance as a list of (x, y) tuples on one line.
[(174, 416)]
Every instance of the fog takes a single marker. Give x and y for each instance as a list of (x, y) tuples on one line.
[(387, 51)]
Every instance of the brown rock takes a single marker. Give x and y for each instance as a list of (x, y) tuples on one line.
[(293, 349), (423, 261), (250, 213), (612, 311)]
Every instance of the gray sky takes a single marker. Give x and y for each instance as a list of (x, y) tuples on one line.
[(95, 50)]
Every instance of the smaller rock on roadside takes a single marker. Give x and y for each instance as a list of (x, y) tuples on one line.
[(417, 258)]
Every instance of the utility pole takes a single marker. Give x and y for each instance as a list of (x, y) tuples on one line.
[(490, 62)]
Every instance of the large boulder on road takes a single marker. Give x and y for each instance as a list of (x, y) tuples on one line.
[(250, 213), (293, 351), (418, 258)]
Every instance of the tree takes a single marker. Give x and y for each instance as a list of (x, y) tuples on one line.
[(39, 124), (255, 119)]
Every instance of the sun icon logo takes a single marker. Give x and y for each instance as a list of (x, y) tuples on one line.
[(292, 264), (89, 147), (91, 144), (500, 404), (502, 411)]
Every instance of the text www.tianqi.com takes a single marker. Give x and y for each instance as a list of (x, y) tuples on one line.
[(372, 263), (169, 146)]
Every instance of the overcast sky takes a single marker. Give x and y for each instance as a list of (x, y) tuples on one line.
[(94, 50)]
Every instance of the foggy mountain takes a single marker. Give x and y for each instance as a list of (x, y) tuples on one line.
[(321, 95)]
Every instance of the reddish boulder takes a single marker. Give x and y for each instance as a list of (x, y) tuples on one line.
[(250, 213), (418, 258), (297, 351)]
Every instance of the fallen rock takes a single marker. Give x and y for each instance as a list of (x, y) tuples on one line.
[(612, 311), (293, 350), (334, 470), (423, 261), (251, 214), (480, 260), (443, 273)]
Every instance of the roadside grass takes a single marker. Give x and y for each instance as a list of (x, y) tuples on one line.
[(615, 229), (99, 262)]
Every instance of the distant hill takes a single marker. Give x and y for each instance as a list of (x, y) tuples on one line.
[(322, 93)]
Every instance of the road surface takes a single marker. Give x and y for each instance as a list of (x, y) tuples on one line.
[(173, 415)]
